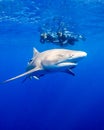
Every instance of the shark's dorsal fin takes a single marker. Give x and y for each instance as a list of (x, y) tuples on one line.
[(35, 52), (21, 75)]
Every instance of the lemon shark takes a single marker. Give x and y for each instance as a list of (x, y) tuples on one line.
[(50, 61)]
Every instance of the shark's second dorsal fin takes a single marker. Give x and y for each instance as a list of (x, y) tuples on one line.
[(35, 52)]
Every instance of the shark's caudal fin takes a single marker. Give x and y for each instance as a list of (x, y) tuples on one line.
[(21, 75)]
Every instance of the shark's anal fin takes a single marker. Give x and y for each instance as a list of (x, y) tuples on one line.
[(21, 75), (69, 71), (36, 77)]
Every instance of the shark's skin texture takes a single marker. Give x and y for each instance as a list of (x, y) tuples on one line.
[(51, 61)]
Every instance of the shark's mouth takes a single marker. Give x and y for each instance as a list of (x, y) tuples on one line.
[(73, 61), (66, 65)]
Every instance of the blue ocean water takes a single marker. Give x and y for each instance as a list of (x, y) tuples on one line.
[(57, 101)]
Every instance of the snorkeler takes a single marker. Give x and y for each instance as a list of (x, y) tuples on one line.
[(49, 37), (68, 37), (61, 38), (43, 37)]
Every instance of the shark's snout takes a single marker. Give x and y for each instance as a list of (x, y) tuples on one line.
[(78, 55), (83, 54)]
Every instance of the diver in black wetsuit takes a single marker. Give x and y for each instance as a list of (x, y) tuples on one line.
[(68, 37), (49, 37), (61, 38)]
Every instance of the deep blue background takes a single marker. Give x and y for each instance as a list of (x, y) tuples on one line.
[(57, 101)]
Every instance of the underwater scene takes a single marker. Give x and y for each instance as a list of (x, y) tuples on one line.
[(51, 65)]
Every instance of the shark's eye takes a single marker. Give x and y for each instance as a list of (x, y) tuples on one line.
[(71, 55)]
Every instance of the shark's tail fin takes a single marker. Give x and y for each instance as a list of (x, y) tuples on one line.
[(21, 75)]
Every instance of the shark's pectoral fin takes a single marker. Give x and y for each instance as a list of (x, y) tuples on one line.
[(21, 75), (69, 71)]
